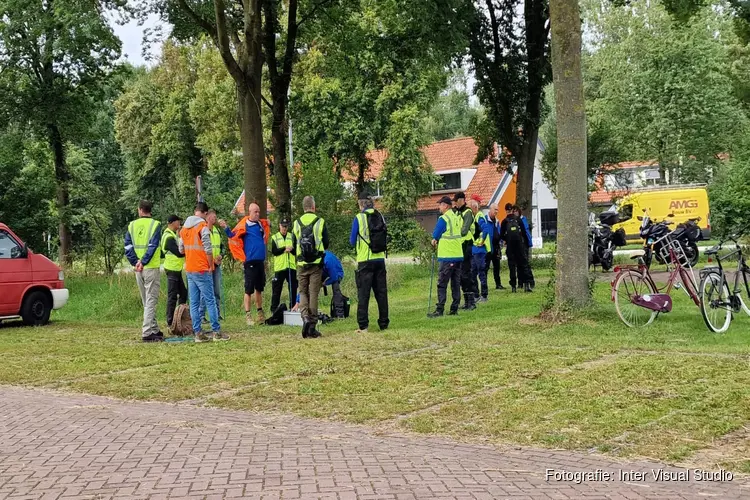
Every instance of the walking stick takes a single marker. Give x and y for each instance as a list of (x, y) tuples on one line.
[(432, 276)]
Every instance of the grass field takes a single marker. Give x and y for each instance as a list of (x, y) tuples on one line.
[(672, 391)]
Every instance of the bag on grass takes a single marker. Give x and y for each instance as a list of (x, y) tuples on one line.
[(347, 304), (182, 323), (277, 317)]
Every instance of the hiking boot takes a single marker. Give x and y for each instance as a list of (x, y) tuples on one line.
[(305, 329), (249, 319), (261, 318), (453, 313), (437, 314), (220, 336), (314, 334), (527, 288), (500, 287), (154, 337), (202, 337), (361, 330)]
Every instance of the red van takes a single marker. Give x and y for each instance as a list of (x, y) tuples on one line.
[(31, 285)]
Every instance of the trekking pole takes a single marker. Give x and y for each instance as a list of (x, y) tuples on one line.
[(432, 276)]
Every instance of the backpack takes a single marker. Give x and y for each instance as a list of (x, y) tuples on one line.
[(513, 230), (277, 318), (182, 324), (347, 307), (378, 232), (307, 245)]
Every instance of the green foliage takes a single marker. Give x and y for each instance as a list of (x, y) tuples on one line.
[(729, 196), (452, 114)]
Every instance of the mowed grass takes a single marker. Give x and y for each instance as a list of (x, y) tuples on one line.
[(672, 391)]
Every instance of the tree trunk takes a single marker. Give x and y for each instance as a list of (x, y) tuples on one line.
[(571, 287), (62, 177), (362, 166), (251, 135), (525, 162), (280, 160)]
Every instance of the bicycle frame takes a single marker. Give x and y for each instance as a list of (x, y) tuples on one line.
[(741, 268)]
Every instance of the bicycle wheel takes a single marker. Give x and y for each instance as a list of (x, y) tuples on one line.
[(743, 293), (715, 303), (627, 286)]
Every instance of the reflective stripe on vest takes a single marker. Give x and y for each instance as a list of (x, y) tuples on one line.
[(449, 244), (286, 260), (317, 233), (141, 231), (216, 241), (196, 260), (363, 239), (171, 261), (478, 241)]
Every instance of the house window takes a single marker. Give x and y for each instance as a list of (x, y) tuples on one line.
[(549, 223), (449, 182)]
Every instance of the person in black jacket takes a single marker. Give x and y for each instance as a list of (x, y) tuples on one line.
[(467, 226), (176, 291), (494, 257), (516, 240), (283, 244)]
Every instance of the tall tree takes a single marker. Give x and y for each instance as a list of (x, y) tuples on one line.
[(509, 49), (54, 57), (571, 285)]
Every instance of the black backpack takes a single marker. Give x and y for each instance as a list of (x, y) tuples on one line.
[(308, 247), (513, 230), (277, 317), (378, 232)]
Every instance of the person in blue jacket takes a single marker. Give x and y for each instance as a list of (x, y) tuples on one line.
[(529, 239), (333, 273)]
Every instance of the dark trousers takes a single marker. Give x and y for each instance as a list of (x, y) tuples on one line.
[(493, 258), (467, 285), (518, 264), (449, 272), (277, 286), (479, 272), (372, 276), (176, 293), (337, 300)]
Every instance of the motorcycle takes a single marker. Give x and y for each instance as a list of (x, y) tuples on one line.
[(686, 233), (603, 241)]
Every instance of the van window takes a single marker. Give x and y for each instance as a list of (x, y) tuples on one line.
[(626, 212), (9, 249)]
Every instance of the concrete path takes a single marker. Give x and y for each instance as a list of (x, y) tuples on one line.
[(54, 445)]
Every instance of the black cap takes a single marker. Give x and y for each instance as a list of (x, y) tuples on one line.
[(173, 218), (458, 196), (445, 199), (284, 222), (363, 196)]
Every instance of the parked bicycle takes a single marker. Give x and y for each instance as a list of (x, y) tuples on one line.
[(637, 297), (718, 302)]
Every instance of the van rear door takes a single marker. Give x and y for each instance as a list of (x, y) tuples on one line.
[(15, 273)]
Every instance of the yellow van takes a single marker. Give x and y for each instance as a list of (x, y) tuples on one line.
[(685, 202)]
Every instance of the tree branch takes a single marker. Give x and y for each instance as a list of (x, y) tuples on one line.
[(266, 101), (291, 38), (205, 25), (222, 41), (309, 14)]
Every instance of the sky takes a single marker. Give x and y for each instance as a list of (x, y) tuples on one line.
[(132, 40)]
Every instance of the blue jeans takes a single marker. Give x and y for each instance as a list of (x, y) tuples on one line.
[(478, 270), (201, 287), (217, 293)]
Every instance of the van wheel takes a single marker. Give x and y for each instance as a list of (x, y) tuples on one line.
[(36, 309)]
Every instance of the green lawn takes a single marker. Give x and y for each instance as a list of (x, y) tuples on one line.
[(672, 391)]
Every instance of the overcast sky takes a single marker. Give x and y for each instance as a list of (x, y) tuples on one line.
[(132, 40)]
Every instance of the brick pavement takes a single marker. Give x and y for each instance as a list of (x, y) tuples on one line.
[(55, 445)]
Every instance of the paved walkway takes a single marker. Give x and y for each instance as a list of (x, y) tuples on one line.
[(69, 446)]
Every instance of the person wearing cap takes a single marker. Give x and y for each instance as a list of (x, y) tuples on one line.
[(174, 262), (480, 248), (494, 257), (516, 244), (283, 244), (217, 245), (450, 255), (467, 233), (371, 273)]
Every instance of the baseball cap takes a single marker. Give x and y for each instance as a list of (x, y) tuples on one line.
[(363, 196), (173, 218), (445, 199), (476, 198), (284, 222), (459, 196)]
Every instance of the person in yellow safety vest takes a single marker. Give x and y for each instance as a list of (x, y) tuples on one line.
[(284, 265), (174, 262), (450, 255), (371, 274), (481, 246), (311, 235), (142, 242), (467, 233), (217, 246)]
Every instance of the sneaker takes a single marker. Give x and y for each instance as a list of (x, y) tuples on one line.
[(202, 337), (261, 318), (527, 288), (249, 319), (220, 336), (154, 337), (471, 307), (499, 287), (435, 314), (361, 330), (512, 289)]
